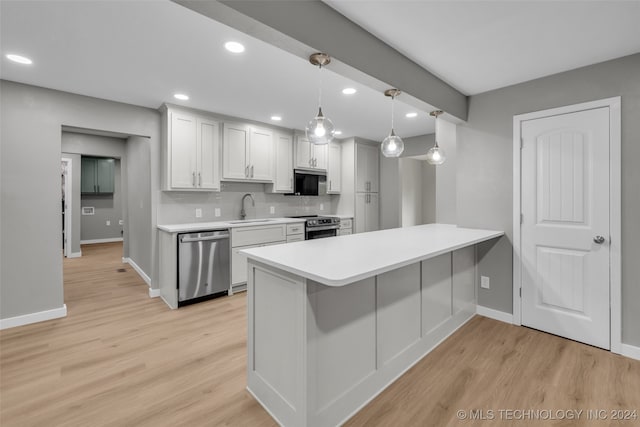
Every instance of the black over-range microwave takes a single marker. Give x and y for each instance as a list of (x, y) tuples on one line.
[(309, 183)]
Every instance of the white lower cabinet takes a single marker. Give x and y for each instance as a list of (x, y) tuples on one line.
[(346, 227), (367, 212)]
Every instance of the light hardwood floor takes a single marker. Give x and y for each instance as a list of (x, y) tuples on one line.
[(122, 359)]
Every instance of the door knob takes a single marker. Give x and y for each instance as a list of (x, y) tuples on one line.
[(599, 240)]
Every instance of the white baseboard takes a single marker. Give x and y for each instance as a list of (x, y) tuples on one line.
[(494, 314), (75, 255), (39, 316), (93, 241), (138, 270), (631, 351), (154, 293)]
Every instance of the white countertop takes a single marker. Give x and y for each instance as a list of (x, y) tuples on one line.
[(341, 216), (341, 260), (200, 226)]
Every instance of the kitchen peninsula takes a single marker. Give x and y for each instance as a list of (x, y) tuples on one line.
[(332, 322)]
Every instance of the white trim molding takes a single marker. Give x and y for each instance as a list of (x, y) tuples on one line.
[(39, 316), (494, 314), (631, 351), (138, 270), (154, 293), (75, 255), (615, 211), (95, 241)]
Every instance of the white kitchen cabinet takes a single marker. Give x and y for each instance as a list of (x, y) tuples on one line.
[(334, 168), (192, 152), (367, 168), (310, 156), (283, 164), (346, 227), (246, 153), (367, 212)]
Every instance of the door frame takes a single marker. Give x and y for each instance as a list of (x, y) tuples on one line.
[(68, 211), (615, 208)]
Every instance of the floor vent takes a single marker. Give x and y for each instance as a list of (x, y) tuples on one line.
[(121, 270)]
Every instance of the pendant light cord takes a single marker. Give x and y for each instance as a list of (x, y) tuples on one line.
[(393, 98), (320, 86)]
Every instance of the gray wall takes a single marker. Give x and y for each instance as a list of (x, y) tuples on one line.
[(446, 180), (31, 230), (485, 168), (75, 200), (107, 207)]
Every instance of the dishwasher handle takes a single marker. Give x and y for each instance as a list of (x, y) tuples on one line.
[(185, 239)]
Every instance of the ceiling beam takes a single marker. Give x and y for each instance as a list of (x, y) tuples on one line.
[(304, 27)]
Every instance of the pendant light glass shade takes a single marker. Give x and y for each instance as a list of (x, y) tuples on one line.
[(320, 129), (436, 155), (392, 145)]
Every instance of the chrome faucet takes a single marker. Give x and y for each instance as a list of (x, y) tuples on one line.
[(243, 213)]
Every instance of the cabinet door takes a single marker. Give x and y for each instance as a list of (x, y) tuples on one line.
[(183, 137), (372, 215), (209, 158), (334, 169), (283, 174), (367, 168), (303, 152), (234, 151), (105, 170), (88, 182), (360, 218), (239, 264), (259, 154), (320, 154)]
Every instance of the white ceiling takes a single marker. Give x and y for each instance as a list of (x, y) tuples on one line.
[(142, 52), (477, 46)]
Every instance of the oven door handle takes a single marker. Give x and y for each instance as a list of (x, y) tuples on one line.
[(326, 227)]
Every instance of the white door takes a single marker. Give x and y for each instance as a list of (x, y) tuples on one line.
[(373, 207), (260, 151), (234, 151), (209, 158), (334, 169), (303, 152), (283, 174), (565, 225), (320, 154), (183, 151)]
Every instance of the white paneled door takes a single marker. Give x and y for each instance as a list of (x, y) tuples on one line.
[(565, 225)]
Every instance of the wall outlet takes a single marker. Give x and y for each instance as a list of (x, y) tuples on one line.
[(108, 222), (216, 211), (485, 282), (272, 209), (198, 213), (121, 222), (321, 206)]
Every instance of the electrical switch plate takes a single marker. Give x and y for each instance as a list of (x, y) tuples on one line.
[(272, 209), (108, 222), (216, 211), (121, 222), (321, 206), (485, 282), (198, 213)]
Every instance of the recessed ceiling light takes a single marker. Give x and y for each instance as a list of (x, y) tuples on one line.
[(338, 132), (19, 59), (276, 118), (349, 91), (181, 96), (411, 115), (234, 47)]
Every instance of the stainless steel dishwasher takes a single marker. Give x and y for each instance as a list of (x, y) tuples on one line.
[(203, 266)]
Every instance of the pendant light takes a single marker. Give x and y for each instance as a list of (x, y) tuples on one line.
[(320, 129), (435, 155), (392, 145)]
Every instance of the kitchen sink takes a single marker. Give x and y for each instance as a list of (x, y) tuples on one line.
[(249, 221)]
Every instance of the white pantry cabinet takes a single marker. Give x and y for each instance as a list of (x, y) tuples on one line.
[(246, 153), (310, 156), (191, 151), (283, 164), (367, 167), (367, 212), (334, 168)]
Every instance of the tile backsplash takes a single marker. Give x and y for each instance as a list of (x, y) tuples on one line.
[(180, 207)]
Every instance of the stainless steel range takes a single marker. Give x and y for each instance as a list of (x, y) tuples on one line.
[(317, 227)]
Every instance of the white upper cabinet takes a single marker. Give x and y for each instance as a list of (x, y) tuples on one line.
[(367, 166), (283, 164), (246, 153), (310, 156), (192, 152), (334, 169)]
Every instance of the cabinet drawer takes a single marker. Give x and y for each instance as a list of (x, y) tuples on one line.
[(295, 238), (295, 229), (244, 236), (344, 231), (346, 223)]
